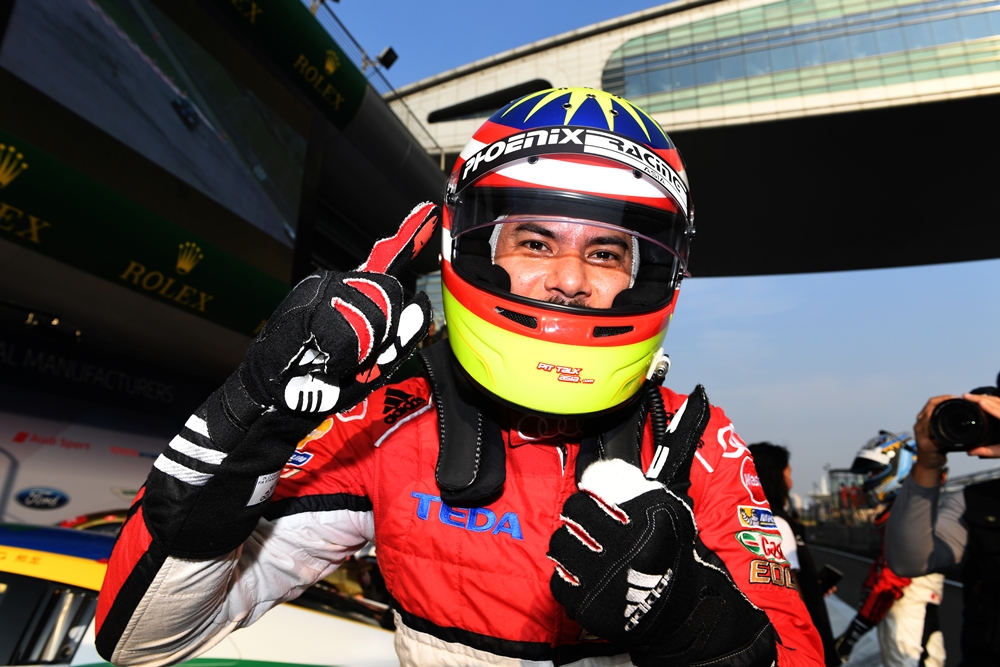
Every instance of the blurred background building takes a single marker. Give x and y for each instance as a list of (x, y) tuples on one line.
[(167, 170), (838, 112)]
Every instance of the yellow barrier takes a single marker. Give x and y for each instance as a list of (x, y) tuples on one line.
[(54, 567)]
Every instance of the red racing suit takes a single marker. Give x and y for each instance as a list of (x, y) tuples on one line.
[(471, 586)]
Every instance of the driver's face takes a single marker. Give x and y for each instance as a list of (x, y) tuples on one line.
[(565, 263)]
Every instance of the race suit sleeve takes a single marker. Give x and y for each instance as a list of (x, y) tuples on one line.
[(921, 537), (737, 528), (156, 609)]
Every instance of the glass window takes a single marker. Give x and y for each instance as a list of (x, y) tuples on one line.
[(862, 45), (809, 53), (635, 85), (947, 31), (918, 35), (835, 49), (954, 71), (712, 100), (890, 40), (995, 22), (660, 80), (758, 63), (683, 76), (783, 58), (975, 26), (732, 67), (708, 71)]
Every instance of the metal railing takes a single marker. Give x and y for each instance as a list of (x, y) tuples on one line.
[(373, 72)]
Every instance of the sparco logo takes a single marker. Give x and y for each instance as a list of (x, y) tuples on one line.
[(644, 590), (576, 140), (41, 498), (398, 403)]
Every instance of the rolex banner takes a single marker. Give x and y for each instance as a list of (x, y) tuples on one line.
[(57, 211), (296, 42)]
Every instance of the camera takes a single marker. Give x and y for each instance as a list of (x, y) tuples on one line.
[(960, 425)]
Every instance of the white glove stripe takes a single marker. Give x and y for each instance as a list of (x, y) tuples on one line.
[(198, 425), (202, 454), (182, 473)]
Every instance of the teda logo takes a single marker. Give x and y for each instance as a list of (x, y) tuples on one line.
[(41, 498), (473, 519)]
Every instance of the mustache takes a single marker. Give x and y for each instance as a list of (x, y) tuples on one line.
[(563, 301)]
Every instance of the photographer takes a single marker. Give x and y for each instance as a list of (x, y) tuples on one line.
[(922, 537)]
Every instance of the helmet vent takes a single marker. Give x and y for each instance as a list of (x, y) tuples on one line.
[(520, 318), (603, 332)]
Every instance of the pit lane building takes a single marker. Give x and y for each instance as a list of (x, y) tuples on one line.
[(818, 134)]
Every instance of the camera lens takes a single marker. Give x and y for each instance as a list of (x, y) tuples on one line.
[(958, 424)]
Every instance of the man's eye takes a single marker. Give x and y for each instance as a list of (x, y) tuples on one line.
[(534, 245), (606, 256)]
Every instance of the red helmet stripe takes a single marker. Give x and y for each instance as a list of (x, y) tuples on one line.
[(568, 329)]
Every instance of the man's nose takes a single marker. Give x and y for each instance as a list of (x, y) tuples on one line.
[(568, 277)]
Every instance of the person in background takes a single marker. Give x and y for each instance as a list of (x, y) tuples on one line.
[(905, 609), (923, 537), (775, 472)]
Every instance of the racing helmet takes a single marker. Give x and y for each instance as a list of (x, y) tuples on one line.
[(562, 155), (885, 461)]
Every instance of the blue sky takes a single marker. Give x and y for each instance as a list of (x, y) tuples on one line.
[(433, 36), (816, 362)]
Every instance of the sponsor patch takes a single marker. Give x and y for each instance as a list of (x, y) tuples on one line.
[(41, 498), (299, 459), (472, 519), (398, 403), (767, 572), (751, 482), (565, 373), (756, 517), (762, 544), (575, 140)]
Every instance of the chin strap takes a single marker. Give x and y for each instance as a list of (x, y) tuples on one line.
[(472, 460)]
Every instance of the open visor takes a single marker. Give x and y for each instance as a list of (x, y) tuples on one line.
[(582, 189)]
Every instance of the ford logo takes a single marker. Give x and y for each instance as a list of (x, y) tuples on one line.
[(41, 498)]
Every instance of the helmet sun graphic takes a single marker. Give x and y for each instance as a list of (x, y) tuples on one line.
[(567, 225), (885, 461)]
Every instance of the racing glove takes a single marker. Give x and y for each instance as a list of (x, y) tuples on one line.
[(845, 642), (332, 341), (627, 566)]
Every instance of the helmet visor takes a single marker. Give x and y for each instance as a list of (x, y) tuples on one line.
[(573, 187)]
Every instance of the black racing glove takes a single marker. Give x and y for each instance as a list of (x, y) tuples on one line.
[(334, 339), (845, 642), (628, 571)]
